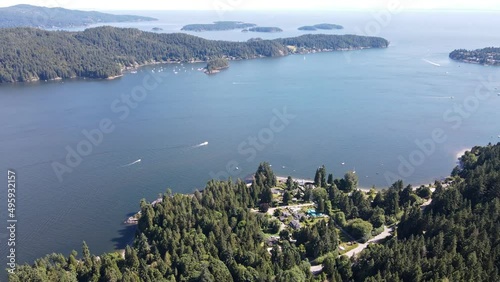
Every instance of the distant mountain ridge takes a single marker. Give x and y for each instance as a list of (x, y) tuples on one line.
[(42, 17)]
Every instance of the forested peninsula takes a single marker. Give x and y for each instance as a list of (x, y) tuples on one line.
[(233, 231), (217, 26), (30, 54), (42, 17), (486, 56)]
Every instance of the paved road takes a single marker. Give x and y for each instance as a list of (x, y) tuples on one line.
[(386, 233), (316, 269), (426, 204)]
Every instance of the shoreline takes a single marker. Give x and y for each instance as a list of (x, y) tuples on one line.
[(364, 189), (133, 220), (136, 66), (461, 153)]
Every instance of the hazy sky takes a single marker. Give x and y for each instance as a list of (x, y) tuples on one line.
[(258, 4)]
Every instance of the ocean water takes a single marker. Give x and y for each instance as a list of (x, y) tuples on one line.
[(405, 112)]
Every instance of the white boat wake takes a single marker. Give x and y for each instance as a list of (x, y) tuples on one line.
[(132, 163), (432, 63), (200, 145), (241, 83)]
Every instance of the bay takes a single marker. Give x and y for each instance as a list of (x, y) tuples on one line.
[(366, 109)]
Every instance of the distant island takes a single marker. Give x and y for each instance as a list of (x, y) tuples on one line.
[(105, 52), (486, 56), (217, 26), (323, 26), (265, 29), (42, 17), (216, 65), (157, 29), (307, 28)]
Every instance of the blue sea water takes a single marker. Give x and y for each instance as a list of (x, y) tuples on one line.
[(367, 109)]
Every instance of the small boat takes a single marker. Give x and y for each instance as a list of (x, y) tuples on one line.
[(342, 163), (133, 72)]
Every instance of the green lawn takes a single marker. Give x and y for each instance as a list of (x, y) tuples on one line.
[(347, 248)]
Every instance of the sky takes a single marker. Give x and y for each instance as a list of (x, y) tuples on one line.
[(260, 4)]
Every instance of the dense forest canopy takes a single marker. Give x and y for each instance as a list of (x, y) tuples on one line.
[(216, 26), (42, 17), (486, 56), (324, 26), (320, 42), (216, 65), (265, 29), (456, 239), (215, 235), (328, 26), (30, 54)]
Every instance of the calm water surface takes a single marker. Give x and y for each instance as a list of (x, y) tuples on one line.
[(364, 108)]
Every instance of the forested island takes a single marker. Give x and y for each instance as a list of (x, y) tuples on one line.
[(218, 26), (233, 231), (323, 26), (486, 56), (103, 52), (42, 17), (265, 29), (216, 65)]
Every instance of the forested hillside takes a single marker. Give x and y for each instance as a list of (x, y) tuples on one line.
[(456, 239), (43, 17), (29, 54), (485, 56), (214, 235)]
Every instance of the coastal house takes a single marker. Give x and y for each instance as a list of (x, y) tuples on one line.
[(295, 224), (276, 191), (271, 241)]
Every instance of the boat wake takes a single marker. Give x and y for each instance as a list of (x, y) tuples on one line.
[(132, 163), (438, 97), (242, 83), (432, 63), (200, 145)]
